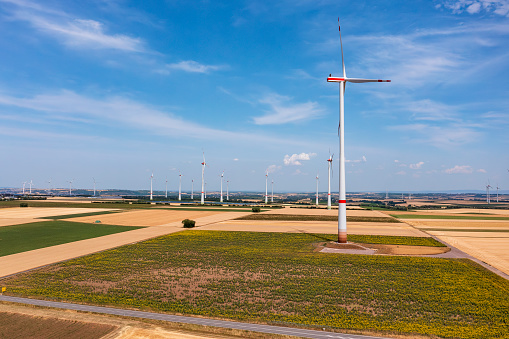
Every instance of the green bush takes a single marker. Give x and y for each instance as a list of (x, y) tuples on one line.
[(256, 209), (188, 223), (23, 204)]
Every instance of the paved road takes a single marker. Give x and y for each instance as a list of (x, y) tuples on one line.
[(189, 320)]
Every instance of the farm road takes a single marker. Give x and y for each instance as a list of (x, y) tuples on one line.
[(303, 333), (19, 262)]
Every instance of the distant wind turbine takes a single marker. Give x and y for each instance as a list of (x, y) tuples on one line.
[(227, 195), (497, 191), (94, 185), (30, 183), (342, 80), (192, 189), (329, 164), (151, 179), (180, 186), (221, 198), (272, 194), (266, 179), (203, 180), (166, 188), (70, 187), (24, 183), (317, 188), (49, 186), (488, 193)]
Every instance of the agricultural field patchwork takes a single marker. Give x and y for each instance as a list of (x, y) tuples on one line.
[(442, 216), (302, 217), (31, 236), (277, 278)]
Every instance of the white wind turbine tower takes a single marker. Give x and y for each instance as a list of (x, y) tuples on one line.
[(30, 183), (221, 198), (342, 80), (266, 179), (192, 189), (180, 186), (151, 179), (70, 187), (272, 194), (203, 179), (166, 188), (329, 164), (227, 195), (49, 186), (497, 191), (24, 183), (317, 189), (94, 185), (488, 193)]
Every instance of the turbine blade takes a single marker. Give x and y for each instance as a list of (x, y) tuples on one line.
[(358, 80), (341, 43)]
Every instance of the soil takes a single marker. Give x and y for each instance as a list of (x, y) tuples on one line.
[(380, 249)]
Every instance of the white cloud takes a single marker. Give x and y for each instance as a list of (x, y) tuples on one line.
[(294, 159), (500, 7), (71, 31), (120, 111), (401, 173), (445, 136), (417, 165), (465, 169), (273, 168), (190, 66), (363, 159), (282, 111), (236, 159), (481, 170)]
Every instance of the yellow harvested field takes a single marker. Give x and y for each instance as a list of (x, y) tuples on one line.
[(460, 224), (39, 212), (147, 217), (364, 228), (18, 221), (490, 247), (322, 211)]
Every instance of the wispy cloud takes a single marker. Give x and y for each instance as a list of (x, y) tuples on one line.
[(363, 159), (273, 168), (71, 31), (295, 159), (417, 165), (440, 136), (190, 66), (283, 111), (120, 111), (500, 7), (459, 169)]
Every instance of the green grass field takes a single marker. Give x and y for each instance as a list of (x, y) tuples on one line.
[(300, 217), (277, 278), (460, 217), (26, 237)]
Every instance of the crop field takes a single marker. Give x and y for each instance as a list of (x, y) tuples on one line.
[(77, 215), (25, 326), (26, 237), (442, 216), (277, 278), (290, 217)]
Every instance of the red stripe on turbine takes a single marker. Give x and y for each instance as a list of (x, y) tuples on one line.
[(328, 193), (342, 201)]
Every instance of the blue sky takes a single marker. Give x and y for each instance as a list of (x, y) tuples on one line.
[(114, 90)]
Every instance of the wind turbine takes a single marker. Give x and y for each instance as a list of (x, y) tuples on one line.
[(329, 161), (317, 188), (24, 183), (227, 195), (342, 80), (221, 198), (30, 183), (266, 179), (180, 186), (70, 187), (192, 189), (488, 192), (203, 179), (151, 179), (272, 194), (386, 195), (49, 186), (166, 188), (94, 186), (497, 191)]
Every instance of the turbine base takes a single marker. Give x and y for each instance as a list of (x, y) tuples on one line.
[(342, 238)]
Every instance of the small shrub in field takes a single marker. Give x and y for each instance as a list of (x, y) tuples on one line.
[(23, 204), (256, 209), (188, 223)]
